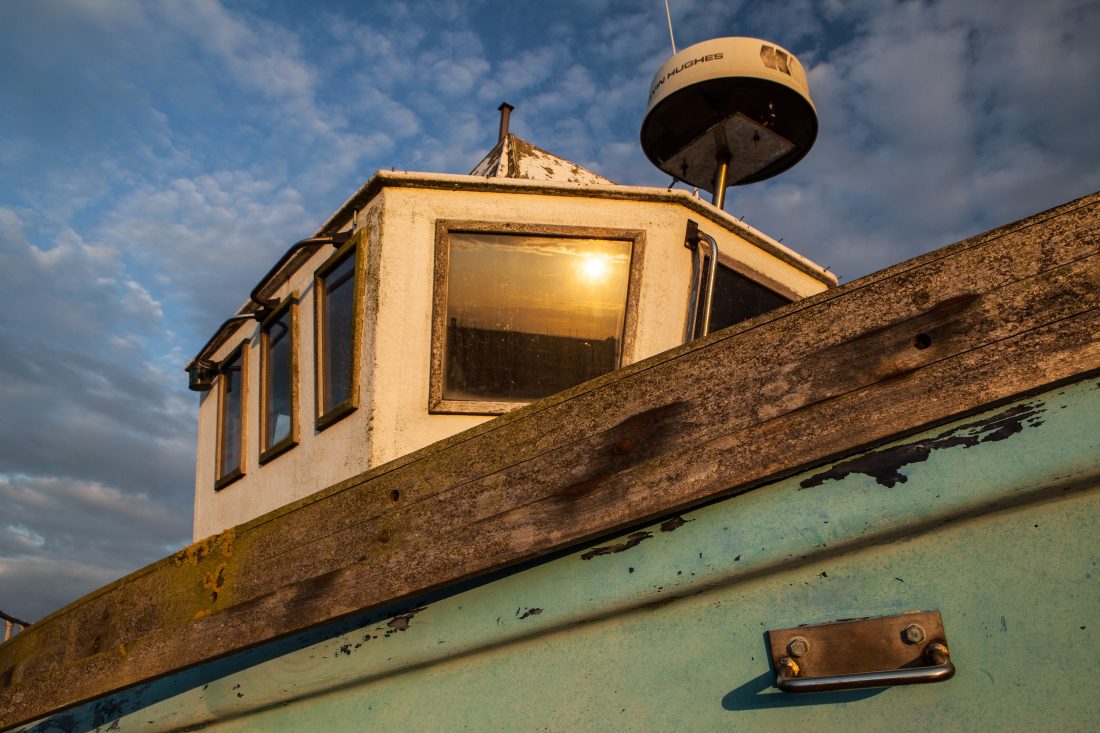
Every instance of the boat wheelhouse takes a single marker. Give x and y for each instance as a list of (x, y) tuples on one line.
[(430, 303)]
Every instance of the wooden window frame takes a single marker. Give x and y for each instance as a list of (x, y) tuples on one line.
[(730, 262), (355, 246), (288, 306), (437, 404), (222, 481)]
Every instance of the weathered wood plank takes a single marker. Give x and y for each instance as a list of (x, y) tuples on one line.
[(1006, 313)]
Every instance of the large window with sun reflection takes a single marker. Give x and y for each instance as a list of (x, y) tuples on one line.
[(527, 315)]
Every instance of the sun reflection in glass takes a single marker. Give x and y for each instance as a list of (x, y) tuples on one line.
[(595, 267)]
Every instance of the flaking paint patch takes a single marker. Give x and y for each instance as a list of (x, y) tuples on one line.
[(674, 523), (885, 465), (632, 540), (400, 622)]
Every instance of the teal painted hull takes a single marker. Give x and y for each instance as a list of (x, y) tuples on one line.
[(990, 520)]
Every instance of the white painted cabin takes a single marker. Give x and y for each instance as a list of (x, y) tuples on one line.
[(430, 303)]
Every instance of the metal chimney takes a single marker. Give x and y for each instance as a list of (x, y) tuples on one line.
[(505, 112)]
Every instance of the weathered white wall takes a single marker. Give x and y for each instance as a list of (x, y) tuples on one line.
[(392, 419)]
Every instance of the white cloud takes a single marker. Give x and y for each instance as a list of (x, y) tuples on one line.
[(206, 240)]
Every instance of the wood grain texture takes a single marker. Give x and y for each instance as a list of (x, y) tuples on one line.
[(1000, 315)]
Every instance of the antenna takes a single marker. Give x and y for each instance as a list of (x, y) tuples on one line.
[(727, 112), (672, 38)]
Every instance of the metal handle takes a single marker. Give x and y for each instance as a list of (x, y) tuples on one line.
[(942, 669), (703, 287)]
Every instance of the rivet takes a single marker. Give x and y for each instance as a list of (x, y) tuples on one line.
[(913, 634), (798, 647)]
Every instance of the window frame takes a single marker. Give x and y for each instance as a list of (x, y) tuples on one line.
[(288, 306), (737, 267), (437, 404), (355, 246), (221, 481)]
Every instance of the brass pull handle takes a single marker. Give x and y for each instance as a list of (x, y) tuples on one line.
[(940, 670)]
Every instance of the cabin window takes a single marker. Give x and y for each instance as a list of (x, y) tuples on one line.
[(524, 315), (231, 403), (737, 298), (337, 329), (279, 379)]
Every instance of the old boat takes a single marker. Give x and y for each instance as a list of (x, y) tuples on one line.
[(433, 492)]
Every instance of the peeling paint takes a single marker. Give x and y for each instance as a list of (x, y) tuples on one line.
[(673, 524), (401, 621), (885, 465), (513, 157), (632, 540)]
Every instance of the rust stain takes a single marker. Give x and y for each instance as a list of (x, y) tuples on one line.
[(201, 614), (632, 540), (122, 649), (885, 465)]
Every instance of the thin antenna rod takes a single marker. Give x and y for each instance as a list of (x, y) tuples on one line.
[(668, 14)]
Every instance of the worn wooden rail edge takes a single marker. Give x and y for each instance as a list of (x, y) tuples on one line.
[(999, 315)]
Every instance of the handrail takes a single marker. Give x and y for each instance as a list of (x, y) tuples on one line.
[(201, 371), (691, 241), (10, 622), (941, 669), (264, 306)]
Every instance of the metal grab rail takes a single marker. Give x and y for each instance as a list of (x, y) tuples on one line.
[(201, 371), (941, 669), (703, 287), (10, 622), (264, 306)]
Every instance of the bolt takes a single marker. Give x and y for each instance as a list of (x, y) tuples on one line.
[(913, 634), (798, 647), (787, 667)]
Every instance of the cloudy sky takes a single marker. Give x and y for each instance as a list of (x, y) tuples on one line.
[(157, 157)]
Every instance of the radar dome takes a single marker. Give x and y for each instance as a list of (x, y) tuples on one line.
[(728, 111)]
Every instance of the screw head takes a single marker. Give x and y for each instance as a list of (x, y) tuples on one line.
[(798, 647), (913, 634)]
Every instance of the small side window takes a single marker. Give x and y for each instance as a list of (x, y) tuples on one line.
[(336, 293), (279, 381), (737, 298), (231, 405), (520, 316)]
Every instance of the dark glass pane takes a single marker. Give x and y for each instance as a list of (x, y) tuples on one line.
[(229, 442), (737, 298), (529, 316), (338, 322), (277, 418)]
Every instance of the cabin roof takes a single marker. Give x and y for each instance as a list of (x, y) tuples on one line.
[(498, 184), (341, 218), (513, 157), (1003, 314)]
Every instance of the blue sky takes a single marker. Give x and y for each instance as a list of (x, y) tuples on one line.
[(157, 157)]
